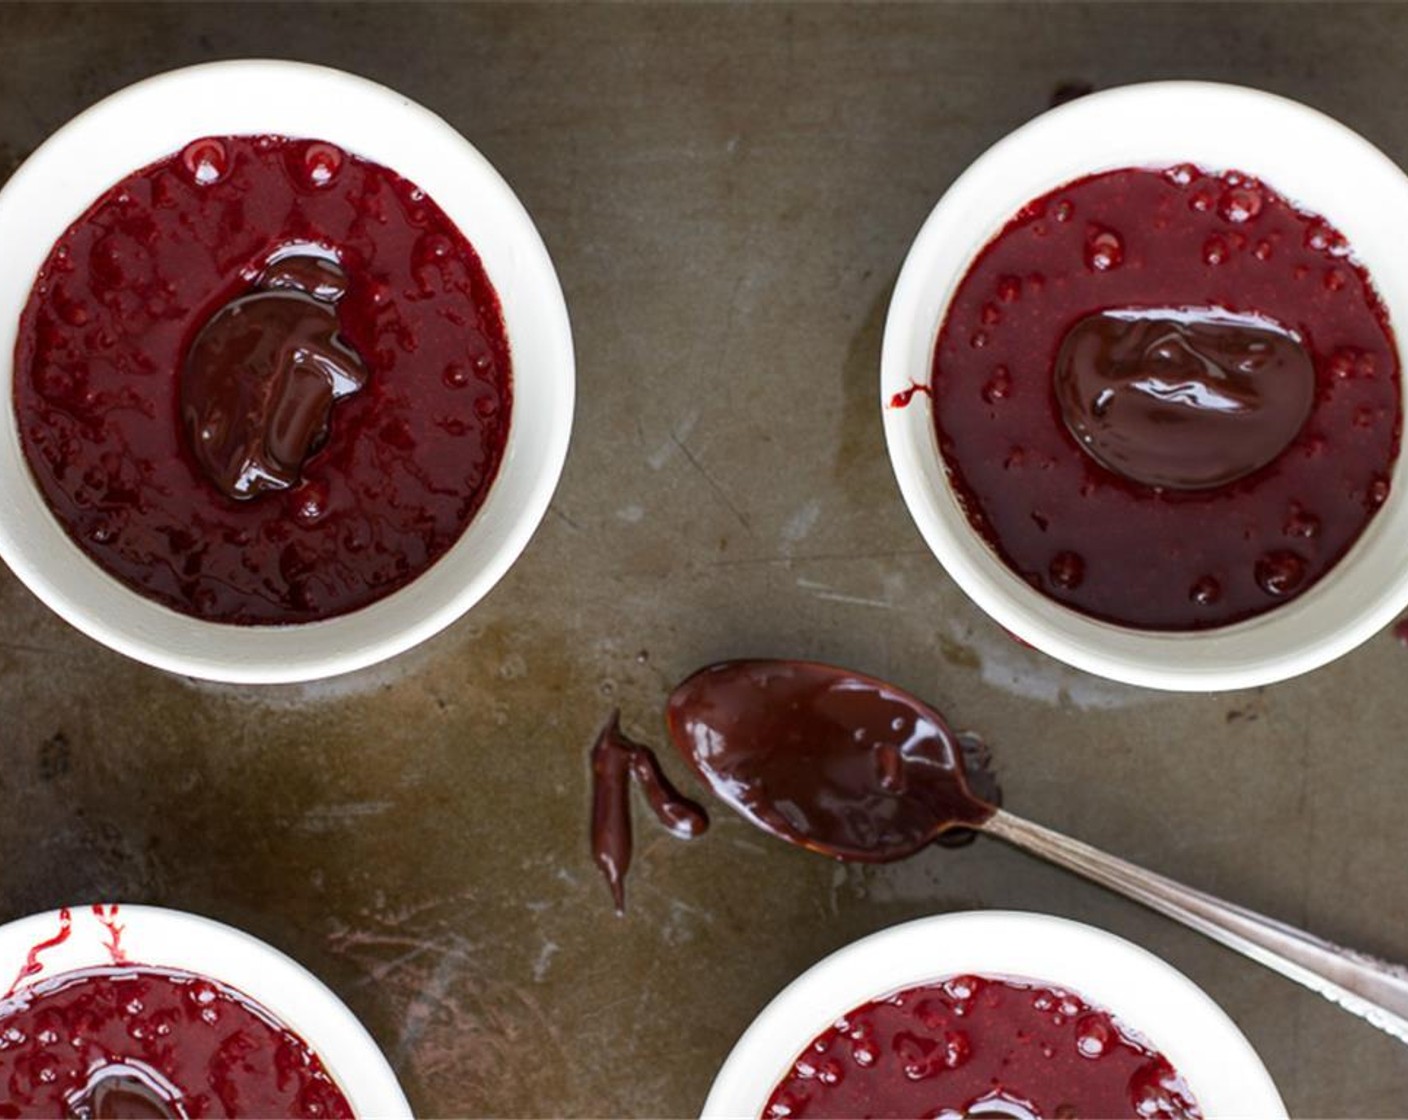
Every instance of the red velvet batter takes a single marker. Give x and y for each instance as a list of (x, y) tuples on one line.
[(1103, 544), (225, 1055), (115, 308), (981, 1046)]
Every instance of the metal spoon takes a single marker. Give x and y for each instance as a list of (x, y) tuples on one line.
[(1374, 989), (855, 768)]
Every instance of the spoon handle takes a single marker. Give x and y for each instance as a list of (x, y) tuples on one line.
[(1374, 989)]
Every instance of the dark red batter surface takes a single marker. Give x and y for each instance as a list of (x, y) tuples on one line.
[(408, 458), (1111, 547), (981, 1046), (222, 1054)]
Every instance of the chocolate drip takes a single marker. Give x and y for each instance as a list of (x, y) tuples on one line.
[(262, 375), (1183, 399), (616, 760), (834, 761)]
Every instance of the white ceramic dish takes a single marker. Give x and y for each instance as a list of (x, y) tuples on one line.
[(173, 939), (1314, 161), (1222, 1069), (159, 116)]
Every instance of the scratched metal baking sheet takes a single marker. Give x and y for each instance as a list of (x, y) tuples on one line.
[(727, 193)]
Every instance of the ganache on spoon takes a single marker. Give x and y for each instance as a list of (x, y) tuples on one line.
[(854, 768), (832, 760)]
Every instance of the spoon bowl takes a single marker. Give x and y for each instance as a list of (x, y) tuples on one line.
[(834, 761)]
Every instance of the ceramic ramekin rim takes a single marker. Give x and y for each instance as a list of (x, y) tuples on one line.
[(176, 939), (1302, 635), (1199, 1039), (544, 397)]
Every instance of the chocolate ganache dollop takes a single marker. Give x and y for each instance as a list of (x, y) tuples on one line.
[(262, 375), (1183, 398), (126, 1091), (832, 760)]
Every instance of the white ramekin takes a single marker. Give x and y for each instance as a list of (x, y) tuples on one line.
[(1316, 162), (1153, 998), (156, 117), (177, 940)]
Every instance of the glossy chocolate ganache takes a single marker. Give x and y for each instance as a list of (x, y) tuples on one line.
[(828, 759), (617, 761), (1183, 398), (825, 758), (259, 382)]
